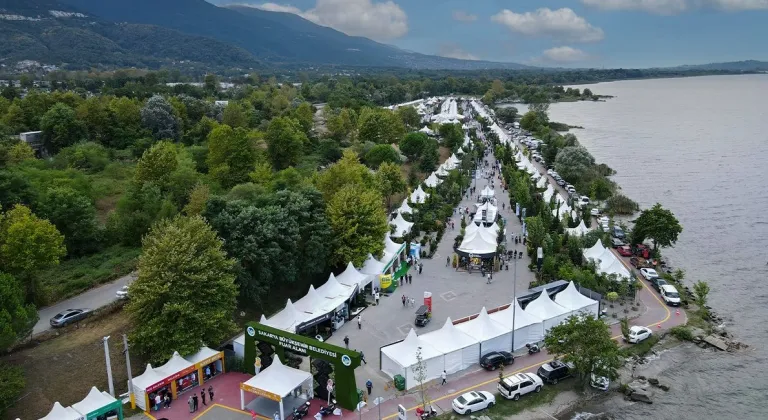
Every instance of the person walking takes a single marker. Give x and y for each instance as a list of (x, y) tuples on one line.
[(194, 401), (167, 400), (442, 376), (191, 404), (376, 298), (403, 299), (210, 394), (421, 267), (359, 322), (158, 400), (202, 397), (447, 261), (362, 357), (346, 341), (369, 385)]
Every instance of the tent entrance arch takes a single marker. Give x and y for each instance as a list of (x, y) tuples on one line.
[(344, 361)]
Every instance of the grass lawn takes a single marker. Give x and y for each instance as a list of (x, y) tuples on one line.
[(74, 276), (505, 408), (640, 349)]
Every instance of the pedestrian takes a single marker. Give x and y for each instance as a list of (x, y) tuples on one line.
[(359, 322), (167, 401), (202, 397), (157, 401), (362, 357), (447, 261), (404, 299), (410, 278), (376, 297), (443, 377), (210, 393), (369, 385), (194, 401), (191, 404), (346, 341), (421, 267), (524, 240)]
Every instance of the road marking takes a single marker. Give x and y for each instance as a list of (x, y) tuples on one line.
[(405, 328), (448, 296)]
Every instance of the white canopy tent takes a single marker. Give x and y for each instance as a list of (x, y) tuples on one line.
[(548, 311), (277, 380), (459, 349), (399, 359), (96, 401), (487, 192), (542, 183), (287, 319), (486, 212), (454, 160), (312, 304), (59, 412), (571, 299), (334, 292), (402, 226), (579, 230), (480, 242), (549, 193), (405, 208), (144, 381), (492, 335), (351, 277), (612, 265), (373, 267), (432, 180), (427, 131), (528, 328), (418, 196), (391, 246), (595, 252), (441, 171), (174, 365)]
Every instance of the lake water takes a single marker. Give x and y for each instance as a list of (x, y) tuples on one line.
[(698, 146)]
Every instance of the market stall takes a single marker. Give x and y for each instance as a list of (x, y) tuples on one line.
[(99, 405), (59, 412), (208, 363), (402, 226), (481, 243), (491, 335), (275, 383), (571, 299), (486, 213), (287, 319), (432, 180), (399, 358), (579, 230), (181, 374), (459, 349), (351, 277), (442, 171), (147, 385), (595, 252), (487, 193), (548, 311), (528, 328)]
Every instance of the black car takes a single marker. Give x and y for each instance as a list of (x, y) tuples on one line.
[(494, 359), (554, 371), (618, 233), (657, 282)]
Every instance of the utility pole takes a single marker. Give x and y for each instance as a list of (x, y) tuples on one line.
[(109, 366), (130, 376)]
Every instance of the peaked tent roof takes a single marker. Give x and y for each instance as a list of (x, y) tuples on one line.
[(202, 354), (490, 212), (427, 131), (487, 192), (518, 316), (542, 182), (441, 171), (432, 180), (570, 298), (448, 338), (614, 267), (479, 242), (543, 307), (392, 246), (287, 319), (333, 290), (59, 412), (418, 195), (405, 208), (548, 193), (402, 226), (312, 304), (404, 352), (95, 400), (595, 252), (482, 328), (373, 266), (471, 228), (174, 365), (278, 378), (351, 277), (149, 377), (579, 230)]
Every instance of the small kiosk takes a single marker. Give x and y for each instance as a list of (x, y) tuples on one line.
[(59, 412), (98, 405), (180, 373), (276, 383), (208, 363), (148, 384)]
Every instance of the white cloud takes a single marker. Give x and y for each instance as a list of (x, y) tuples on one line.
[(563, 24), (376, 20), (564, 55), (463, 16), (672, 7), (454, 51)]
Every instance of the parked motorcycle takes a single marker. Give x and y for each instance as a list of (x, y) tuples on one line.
[(301, 411), (428, 414), (328, 410), (533, 348)]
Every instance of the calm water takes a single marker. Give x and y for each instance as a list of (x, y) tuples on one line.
[(699, 146)]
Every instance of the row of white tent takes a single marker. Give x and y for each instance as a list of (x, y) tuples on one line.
[(448, 113), (607, 262), (95, 402), (456, 347)]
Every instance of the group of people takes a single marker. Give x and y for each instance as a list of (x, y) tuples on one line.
[(193, 401), (164, 399)]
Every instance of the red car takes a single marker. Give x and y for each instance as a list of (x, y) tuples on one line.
[(624, 251)]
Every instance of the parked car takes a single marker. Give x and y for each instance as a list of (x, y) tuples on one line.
[(561, 182), (570, 188), (122, 293), (496, 359), (599, 382), (649, 273), (624, 250), (515, 386), (657, 283), (618, 233), (616, 242), (583, 201), (595, 212), (670, 295), (638, 334), (69, 316), (639, 263), (473, 401), (554, 371)]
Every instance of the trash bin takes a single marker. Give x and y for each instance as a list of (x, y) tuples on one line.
[(399, 382)]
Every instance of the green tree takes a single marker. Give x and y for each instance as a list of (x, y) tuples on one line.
[(390, 181), (658, 224), (156, 164), (701, 290), (381, 153), (285, 142), (11, 385), (127, 122), (20, 152), (14, 119), (341, 125), (572, 162), (429, 157), (197, 200), (231, 155), (74, 215), (624, 323), (413, 145), (88, 156), (236, 114), (381, 127), (347, 171), (409, 116), (159, 117), (358, 222), (184, 278), (601, 189), (17, 318), (451, 135), (536, 231), (304, 115), (586, 342), (28, 243), (60, 128)]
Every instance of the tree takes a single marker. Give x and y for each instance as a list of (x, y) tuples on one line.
[(156, 164), (420, 375), (236, 114), (60, 128), (17, 318), (601, 189), (381, 127), (197, 200), (572, 162), (413, 145), (533, 120), (409, 116), (20, 152), (390, 181), (451, 135), (586, 342), (358, 222), (347, 171), (159, 117), (701, 290), (231, 155), (305, 116), (624, 323), (74, 215), (185, 278), (127, 122), (658, 224), (285, 142), (28, 243), (429, 157), (381, 153), (341, 126), (536, 231), (11, 385)]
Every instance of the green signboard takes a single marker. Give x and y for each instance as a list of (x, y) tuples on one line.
[(116, 406), (344, 361)]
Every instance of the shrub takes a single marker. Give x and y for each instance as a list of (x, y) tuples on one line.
[(682, 333), (621, 204)]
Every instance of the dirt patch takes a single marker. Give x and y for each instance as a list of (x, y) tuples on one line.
[(445, 153), (104, 206), (65, 368)]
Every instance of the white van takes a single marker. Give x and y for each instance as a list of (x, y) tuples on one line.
[(670, 295)]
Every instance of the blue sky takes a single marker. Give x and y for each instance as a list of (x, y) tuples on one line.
[(568, 33)]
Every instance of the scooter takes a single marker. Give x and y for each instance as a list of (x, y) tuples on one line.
[(301, 411), (424, 415), (533, 348), (328, 410)]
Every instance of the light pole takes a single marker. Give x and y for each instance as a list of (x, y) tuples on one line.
[(105, 340)]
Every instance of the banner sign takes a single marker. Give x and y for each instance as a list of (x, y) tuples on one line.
[(385, 280)]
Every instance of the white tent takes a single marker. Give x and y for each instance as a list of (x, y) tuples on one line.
[(174, 365), (59, 412), (287, 319), (432, 180), (491, 335), (391, 246), (486, 213), (373, 267), (405, 208), (95, 401), (441, 171), (579, 230), (335, 292), (418, 196), (399, 359), (613, 266), (351, 277), (402, 226), (454, 160), (528, 328), (313, 305), (487, 192), (595, 252), (427, 131), (276, 379), (542, 182), (571, 299), (481, 242), (548, 311), (549, 193), (459, 349), (140, 385)]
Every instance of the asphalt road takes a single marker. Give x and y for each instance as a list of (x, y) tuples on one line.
[(92, 299)]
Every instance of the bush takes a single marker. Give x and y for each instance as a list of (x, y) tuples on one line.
[(682, 333), (621, 204), (89, 156), (11, 384)]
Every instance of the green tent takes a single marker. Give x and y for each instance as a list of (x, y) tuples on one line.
[(98, 403)]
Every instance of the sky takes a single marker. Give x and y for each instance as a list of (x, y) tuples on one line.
[(557, 33)]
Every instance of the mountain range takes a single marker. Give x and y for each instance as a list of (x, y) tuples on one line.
[(85, 33)]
